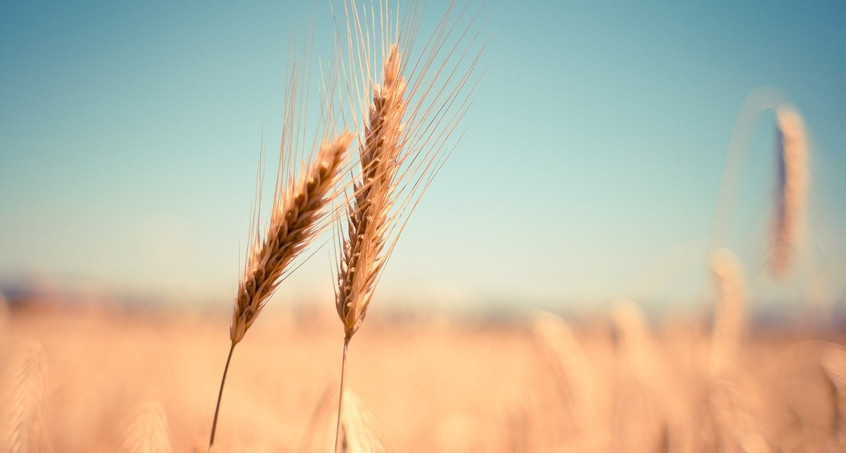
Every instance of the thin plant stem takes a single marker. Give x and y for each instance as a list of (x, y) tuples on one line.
[(220, 394), (341, 393)]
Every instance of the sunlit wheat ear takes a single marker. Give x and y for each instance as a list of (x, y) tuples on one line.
[(635, 340), (647, 371), (298, 213), (296, 219), (368, 208), (22, 418), (791, 188), (148, 432), (729, 310), (405, 101), (735, 407)]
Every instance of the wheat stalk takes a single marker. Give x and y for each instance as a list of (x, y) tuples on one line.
[(408, 117), (363, 259), (654, 381), (729, 311), (293, 225), (791, 184), (298, 210), (574, 377)]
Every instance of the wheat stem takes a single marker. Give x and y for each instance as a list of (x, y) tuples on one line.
[(341, 394), (220, 395), (298, 215)]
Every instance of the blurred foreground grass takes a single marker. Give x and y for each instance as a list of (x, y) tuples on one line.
[(599, 385)]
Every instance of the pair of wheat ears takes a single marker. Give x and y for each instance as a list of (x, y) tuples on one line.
[(404, 116)]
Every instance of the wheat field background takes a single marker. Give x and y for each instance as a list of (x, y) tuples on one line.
[(80, 381), (602, 264)]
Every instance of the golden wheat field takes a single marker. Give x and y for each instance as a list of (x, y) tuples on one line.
[(107, 380), (363, 136)]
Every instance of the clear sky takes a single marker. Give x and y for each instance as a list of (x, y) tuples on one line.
[(588, 169)]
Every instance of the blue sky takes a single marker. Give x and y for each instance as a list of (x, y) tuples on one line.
[(588, 168)]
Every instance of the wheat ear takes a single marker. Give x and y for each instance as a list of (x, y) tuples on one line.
[(648, 369), (368, 210), (22, 418), (729, 311), (363, 259), (791, 183), (574, 378), (148, 432), (406, 119), (295, 221)]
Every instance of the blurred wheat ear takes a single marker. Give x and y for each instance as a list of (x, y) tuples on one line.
[(729, 311), (833, 362), (645, 380), (791, 187), (148, 432), (301, 208), (359, 432), (575, 380), (22, 419), (405, 122)]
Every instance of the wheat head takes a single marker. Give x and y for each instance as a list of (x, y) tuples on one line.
[(368, 210), (148, 432), (22, 418), (646, 380), (406, 101), (729, 310), (301, 205), (791, 187), (574, 375), (405, 122), (293, 225)]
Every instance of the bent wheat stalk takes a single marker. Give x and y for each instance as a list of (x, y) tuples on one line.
[(729, 312), (408, 118), (296, 220)]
